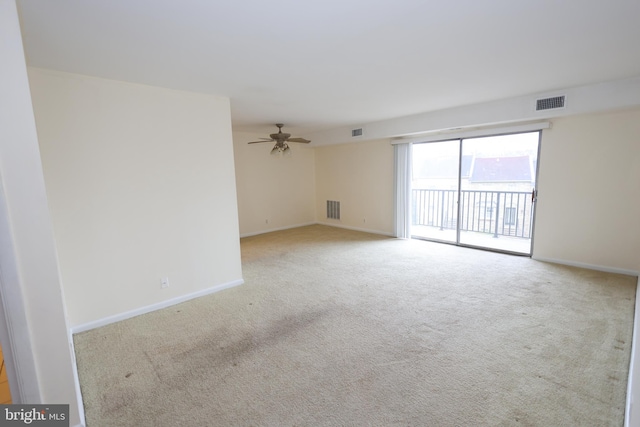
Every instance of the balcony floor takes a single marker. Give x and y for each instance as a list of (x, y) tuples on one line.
[(518, 245)]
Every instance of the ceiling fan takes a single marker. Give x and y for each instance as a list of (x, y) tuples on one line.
[(281, 140)]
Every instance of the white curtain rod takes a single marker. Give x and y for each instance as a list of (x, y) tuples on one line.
[(530, 127)]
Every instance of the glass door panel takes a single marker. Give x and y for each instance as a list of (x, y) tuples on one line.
[(496, 209), (434, 204)]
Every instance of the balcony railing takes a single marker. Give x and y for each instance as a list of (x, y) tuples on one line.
[(502, 213)]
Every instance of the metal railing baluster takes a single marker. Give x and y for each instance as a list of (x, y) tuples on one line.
[(435, 207)]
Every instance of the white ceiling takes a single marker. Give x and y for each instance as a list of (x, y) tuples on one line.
[(317, 65)]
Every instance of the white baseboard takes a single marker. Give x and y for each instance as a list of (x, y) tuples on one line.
[(364, 230), (153, 307), (631, 419), (76, 382), (589, 266), (270, 230)]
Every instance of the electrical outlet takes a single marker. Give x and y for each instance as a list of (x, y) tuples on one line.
[(164, 282)]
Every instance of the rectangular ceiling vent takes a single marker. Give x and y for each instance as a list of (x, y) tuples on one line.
[(552, 103), (356, 132), (333, 209)]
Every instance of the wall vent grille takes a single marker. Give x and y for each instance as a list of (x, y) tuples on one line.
[(356, 132), (333, 209), (550, 103)]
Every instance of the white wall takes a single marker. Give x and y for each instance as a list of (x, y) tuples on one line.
[(592, 98), (588, 207), (360, 176), (589, 191), (141, 186), (274, 191), (32, 297)]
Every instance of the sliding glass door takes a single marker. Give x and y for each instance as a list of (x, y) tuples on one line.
[(435, 189), (476, 192)]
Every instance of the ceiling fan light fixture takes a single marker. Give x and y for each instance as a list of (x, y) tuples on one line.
[(281, 139)]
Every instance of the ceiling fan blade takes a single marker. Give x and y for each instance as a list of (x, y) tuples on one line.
[(281, 140), (257, 142)]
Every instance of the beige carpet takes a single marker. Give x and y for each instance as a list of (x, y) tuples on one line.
[(341, 328)]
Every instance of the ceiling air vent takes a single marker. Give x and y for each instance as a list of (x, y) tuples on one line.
[(356, 132), (550, 103)]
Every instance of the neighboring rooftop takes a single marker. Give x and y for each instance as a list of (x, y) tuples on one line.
[(501, 169)]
